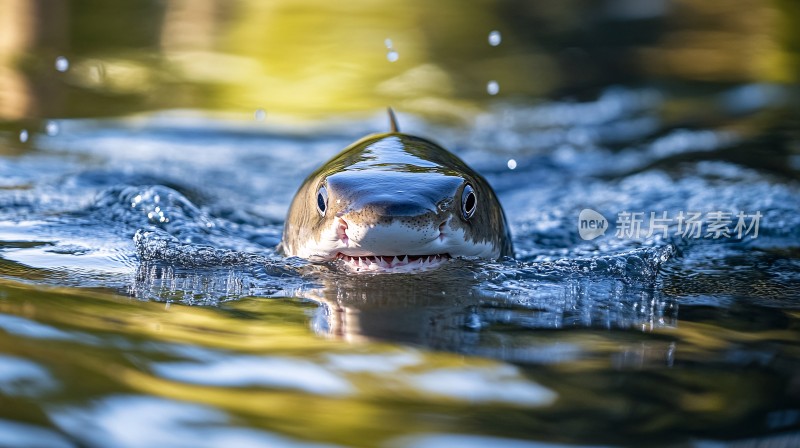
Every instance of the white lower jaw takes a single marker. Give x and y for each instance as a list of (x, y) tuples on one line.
[(397, 264), (391, 239)]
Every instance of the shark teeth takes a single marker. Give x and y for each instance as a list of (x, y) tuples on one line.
[(392, 262)]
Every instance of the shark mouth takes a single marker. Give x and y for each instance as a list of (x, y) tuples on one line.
[(392, 263)]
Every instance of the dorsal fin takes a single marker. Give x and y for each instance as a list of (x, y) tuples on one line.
[(392, 120)]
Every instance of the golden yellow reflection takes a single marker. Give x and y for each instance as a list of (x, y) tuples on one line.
[(307, 56), (107, 342), (315, 58)]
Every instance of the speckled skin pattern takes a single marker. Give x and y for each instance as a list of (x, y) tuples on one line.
[(396, 181)]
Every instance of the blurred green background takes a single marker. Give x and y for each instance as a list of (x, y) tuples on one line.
[(312, 58)]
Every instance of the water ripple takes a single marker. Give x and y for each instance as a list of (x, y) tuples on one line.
[(22, 377), (140, 421), (272, 372)]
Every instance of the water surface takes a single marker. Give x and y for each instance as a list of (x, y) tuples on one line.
[(140, 280), (144, 184)]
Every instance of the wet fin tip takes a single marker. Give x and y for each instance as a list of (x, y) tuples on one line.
[(392, 120)]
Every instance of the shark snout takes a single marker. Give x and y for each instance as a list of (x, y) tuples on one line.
[(406, 235)]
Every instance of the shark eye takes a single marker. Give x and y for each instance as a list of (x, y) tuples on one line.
[(322, 200), (469, 202)]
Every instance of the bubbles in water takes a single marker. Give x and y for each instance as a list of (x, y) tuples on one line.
[(51, 128), (492, 87), (512, 164), (157, 215), (260, 115), (392, 55), (62, 64), (495, 38)]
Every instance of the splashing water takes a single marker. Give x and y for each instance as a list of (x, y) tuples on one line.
[(184, 216), (52, 128), (62, 64), (492, 88), (495, 38)]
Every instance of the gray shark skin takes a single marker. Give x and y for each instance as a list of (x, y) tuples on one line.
[(395, 202)]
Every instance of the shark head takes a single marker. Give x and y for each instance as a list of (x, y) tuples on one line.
[(394, 202)]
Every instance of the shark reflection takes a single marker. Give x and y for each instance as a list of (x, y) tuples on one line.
[(456, 308), (512, 314)]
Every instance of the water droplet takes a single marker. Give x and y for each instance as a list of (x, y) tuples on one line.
[(512, 164), (495, 38), (62, 64), (260, 115), (23, 135), (492, 87), (392, 56), (388, 43), (51, 128)]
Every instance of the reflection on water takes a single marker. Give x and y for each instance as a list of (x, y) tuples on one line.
[(113, 421), (447, 309), (146, 280), (142, 302), (248, 365), (90, 59)]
